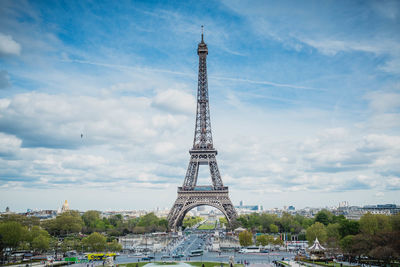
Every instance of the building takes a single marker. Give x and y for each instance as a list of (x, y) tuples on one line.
[(65, 206), (387, 209), (243, 209)]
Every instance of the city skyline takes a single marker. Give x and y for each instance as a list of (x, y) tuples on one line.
[(96, 97)]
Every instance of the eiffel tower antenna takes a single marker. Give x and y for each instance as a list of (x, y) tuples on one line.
[(190, 195)]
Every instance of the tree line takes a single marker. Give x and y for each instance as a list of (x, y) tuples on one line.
[(376, 236), (72, 231)]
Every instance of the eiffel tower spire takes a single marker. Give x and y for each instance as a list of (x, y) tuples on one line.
[(202, 133), (191, 195), (203, 151)]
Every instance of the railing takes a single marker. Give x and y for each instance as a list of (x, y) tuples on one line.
[(203, 188)]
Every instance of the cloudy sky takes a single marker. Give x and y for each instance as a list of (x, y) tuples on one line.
[(304, 98)]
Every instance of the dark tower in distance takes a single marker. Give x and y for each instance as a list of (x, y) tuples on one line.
[(203, 153)]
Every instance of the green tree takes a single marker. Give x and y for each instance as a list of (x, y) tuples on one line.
[(349, 227), (41, 243), (324, 217), (11, 234), (163, 223), (38, 238), (333, 234), (71, 243), (395, 222), (262, 240), (245, 238), (90, 218), (64, 224), (346, 244), (273, 228), (114, 246), (277, 241), (303, 221), (148, 220), (21, 219), (368, 224), (384, 223), (223, 220), (95, 242), (317, 230)]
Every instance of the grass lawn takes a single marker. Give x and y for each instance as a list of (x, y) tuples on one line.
[(133, 264), (322, 263), (284, 263), (210, 264), (192, 263), (206, 226)]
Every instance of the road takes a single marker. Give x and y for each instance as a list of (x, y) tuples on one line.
[(201, 240)]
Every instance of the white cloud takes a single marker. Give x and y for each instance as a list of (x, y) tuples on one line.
[(381, 101), (174, 100), (9, 145), (164, 148), (83, 162), (379, 142), (331, 47), (8, 46)]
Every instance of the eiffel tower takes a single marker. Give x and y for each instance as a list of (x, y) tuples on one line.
[(190, 195)]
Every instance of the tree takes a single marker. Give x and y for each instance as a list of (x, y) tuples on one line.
[(303, 221), (90, 217), (317, 230), (349, 227), (11, 234), (324, 217), (262, 240), (333, 234), (38, 238), (223, 220), (386, 254), (277, 241), (273, 228), (71, 243), (21, 219), (395, 221), (41, 243), (369, 224), (64, 224), (148, 220), (95, 242), (116, 219), (114, 246), (245, 238), (163, 223), (385, 246), (265, 240), (384, 223), (346, 244)]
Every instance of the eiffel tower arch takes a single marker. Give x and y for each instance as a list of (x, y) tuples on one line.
[(190, 195)]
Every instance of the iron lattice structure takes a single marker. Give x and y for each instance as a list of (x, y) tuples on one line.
[(203, 153)]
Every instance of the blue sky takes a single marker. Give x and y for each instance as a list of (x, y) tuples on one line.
[(305, 101)]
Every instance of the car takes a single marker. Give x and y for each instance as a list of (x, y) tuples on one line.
[(264, 251), (145, 259)]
